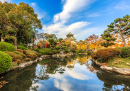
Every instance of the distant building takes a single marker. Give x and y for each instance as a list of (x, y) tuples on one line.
[(70, 37)]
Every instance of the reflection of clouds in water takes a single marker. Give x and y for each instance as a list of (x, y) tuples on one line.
[(79, 72), (36, 85), (61, 82)]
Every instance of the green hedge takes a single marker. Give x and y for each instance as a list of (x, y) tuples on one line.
[(54, 51), (125, 52), (44, 51), (79, 51), (57, 47), (64, 47), (4, 46), (14, 56), (22, 47), (5, 61), (31, 54)]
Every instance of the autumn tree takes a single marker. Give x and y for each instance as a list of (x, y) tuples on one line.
[(41, 37), (121, 26), (92, 40)]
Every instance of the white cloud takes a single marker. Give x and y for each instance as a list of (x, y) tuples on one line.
[(6, 1), (123, 5), (60, 26), (70, 7), (33, 4), (61, 30), (79, 29)]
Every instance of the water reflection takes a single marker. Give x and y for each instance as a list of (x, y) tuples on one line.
[(75, 73)]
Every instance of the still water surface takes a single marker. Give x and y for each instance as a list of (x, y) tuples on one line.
[(75, 73)]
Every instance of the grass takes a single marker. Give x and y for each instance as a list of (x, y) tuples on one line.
[(120, 63)]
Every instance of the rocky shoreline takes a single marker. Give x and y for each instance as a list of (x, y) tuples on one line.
[(123, 71)]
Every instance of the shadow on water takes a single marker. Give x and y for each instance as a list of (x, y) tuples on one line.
[(69, 73)]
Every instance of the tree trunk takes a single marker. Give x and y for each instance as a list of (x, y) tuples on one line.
[(15, 42), (123, 39), (60, 48)]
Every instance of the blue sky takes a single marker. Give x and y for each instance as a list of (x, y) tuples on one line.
[(81, 17)]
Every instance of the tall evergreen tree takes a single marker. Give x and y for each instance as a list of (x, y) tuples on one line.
[(108, 38), (121, 26)]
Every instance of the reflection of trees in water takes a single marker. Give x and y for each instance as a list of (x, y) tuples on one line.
[(41, 73), (52, 66), (90, 67), (27, 79), (20, 80), (112, 80)]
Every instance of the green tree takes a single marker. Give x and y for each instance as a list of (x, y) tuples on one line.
[(109, 39), (21, 20), (121, 26), (52, 42)]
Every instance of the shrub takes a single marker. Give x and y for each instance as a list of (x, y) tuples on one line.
[(22, 47), (54, 51), (5, 61), (106, 54), (89, 52), (20, 50), (25, 45), (64, 47), (80, 51), (4, 46), (73, 50), (27, 59), (31, 54), (18, 61), (44, 51), (58, 51), (14, 56), (57, 47), (66, 51), (125, 52), (21, 54), (51, 53)]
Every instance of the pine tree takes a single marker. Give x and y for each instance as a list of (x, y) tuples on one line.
[(108, 38)]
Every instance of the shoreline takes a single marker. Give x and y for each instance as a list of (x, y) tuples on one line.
[(123, 71), (26, 64)]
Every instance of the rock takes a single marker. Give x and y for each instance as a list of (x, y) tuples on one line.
[(106, 68), (40, 59), (122, 70), (22, 65)]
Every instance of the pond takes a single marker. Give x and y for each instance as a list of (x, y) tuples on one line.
[(75, 73)]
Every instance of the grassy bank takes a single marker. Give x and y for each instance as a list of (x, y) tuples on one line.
[(119, 63)]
